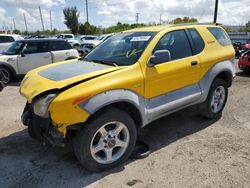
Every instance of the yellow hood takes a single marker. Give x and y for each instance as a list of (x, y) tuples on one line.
[(60, 75)]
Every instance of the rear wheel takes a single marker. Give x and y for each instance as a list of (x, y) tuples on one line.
[(216, 99), (5, 75), (107, 141)]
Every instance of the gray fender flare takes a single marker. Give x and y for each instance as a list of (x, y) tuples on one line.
[(206, 81), (114, 96)]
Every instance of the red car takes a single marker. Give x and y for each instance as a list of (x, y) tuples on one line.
[(244, 61)]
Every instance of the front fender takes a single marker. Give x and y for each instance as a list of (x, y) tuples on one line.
[(114, 96)]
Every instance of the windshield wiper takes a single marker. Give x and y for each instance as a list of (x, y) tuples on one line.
[(113, 63)]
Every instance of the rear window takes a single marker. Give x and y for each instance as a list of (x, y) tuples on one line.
[(60, 45), (220, 36)]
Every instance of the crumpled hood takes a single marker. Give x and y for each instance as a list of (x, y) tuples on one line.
[(61, 75)]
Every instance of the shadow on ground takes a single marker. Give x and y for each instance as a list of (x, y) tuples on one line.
[(27, 163), (15, 82), (243, 74)]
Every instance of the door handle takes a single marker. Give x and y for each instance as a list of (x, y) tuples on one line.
[(193, 63)]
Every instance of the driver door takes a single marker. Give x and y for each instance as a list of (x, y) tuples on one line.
[(181, 71), (34, 55)]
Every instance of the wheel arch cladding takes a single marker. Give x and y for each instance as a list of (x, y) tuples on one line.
[(224, 70), (125, 100), (226, 76)]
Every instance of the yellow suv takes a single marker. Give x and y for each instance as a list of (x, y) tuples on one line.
[(128, 81)]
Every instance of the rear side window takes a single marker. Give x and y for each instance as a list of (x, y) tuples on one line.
[(177, 43), (60, 45), (220, 36), (198, 43), (6, 39), (68, 36)]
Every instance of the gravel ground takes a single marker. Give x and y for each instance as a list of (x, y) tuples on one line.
[(188, 151)]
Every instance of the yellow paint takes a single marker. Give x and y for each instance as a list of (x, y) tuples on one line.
[(146, 81)]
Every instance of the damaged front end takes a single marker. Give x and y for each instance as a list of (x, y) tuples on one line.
[(41, 128)]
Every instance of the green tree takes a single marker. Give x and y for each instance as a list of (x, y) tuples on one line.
[(71, 17), (247, 28), (16, 31), (88, 29), (184, 20), (121, 27)]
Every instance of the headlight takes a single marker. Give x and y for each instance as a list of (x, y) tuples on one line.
[(41, 105)]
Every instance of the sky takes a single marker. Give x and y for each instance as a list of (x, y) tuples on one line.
[(108, 12)]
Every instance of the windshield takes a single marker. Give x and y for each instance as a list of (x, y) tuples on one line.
[(121, 49), (14, 48)]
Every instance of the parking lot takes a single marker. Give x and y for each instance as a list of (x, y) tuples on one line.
[(187, 150)]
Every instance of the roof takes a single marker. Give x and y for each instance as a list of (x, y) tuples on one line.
[(41, 40), (11, 35), (163, 27)]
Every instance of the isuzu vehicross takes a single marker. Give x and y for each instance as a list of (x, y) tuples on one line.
[(128, 81)]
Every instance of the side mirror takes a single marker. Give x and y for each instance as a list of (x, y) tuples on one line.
[(159, 56)]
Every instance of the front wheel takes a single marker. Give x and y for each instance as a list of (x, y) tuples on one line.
[(216, 99), (5, 75), (107, 141)]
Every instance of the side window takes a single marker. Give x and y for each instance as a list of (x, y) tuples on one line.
[(177, 43), (2, 39), (59, 45), (197, 40), (68, 36), (220, 36), (44, 46), (9, 39), (31, 47)]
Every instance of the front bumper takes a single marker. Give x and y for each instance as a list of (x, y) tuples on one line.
[(41, 128)]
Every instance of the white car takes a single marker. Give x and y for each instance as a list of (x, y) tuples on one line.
[(25, 55), (71, 39), (89, 45), (7, 39)]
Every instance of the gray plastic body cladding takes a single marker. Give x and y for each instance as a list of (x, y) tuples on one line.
[(207, 80), (113, 96), (154, 108)]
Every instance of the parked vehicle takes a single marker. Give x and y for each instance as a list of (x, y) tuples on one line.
[(89, 45), (25, 55), (6, 40), (244, 61), (247, 45), (238, 49), (1, 81), (126, 82), (71, 39), (85, 38)]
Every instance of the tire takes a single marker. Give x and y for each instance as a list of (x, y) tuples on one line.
[(5, 75), (76, 46), (216, 100), (97, 140)]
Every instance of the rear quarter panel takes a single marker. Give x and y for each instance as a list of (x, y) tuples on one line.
[(214, 52)]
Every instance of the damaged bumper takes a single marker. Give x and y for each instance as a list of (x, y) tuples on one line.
[(41, 128)]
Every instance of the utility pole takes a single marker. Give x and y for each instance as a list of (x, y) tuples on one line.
[(41, 16), (50, 20), (14, 24), (87, 11), (216, 10), (160, 19), (137, 18), (25, 22)]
